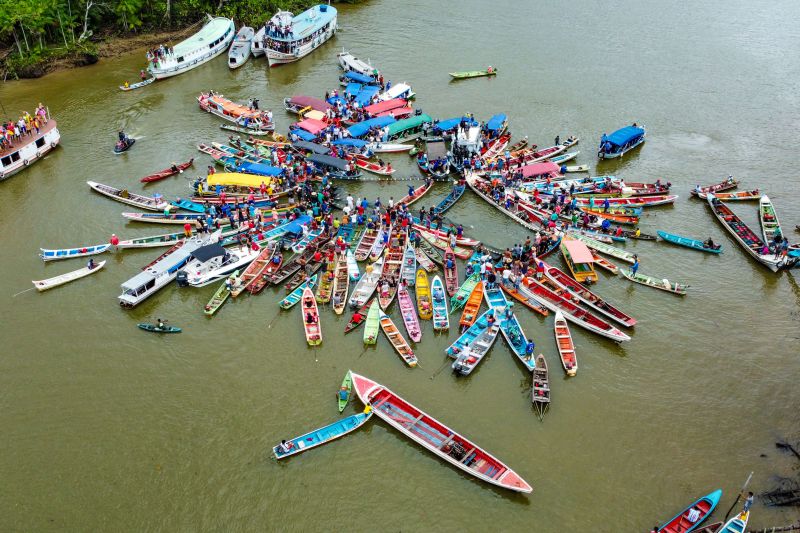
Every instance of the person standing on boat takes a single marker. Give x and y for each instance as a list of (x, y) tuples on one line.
[(635, 265), (114, 241)]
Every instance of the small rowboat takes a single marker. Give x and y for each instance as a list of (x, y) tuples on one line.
[(263, 280), (710, 528), (366, 243), (737, 524), (590, 299), (540, 390), (424, 261), (142, 83), (396, 338), (461, 241), (680, 523), (352, 266), (155, 329), (661, 284), (566, 348), (436, 437), (355, 237), (441, 244), (635, 201), (450, 199), (423, 291), (380, 244), (472, 306), (325, 287), (441, 320), (321, 436), (471, 347), (172, 218), (254, 270), (188, 205), (300, 246), (526, 299), (770, 225), (373, 167), (409, 314), (373, 323), (392, 263), (450, 274), (366, 286), (310, 318), (358, 318), (341, 285), (127, 197), (509, 325), (419, 192), (297, 269), (245, 131), (167, 172), (432, 253), (604, 248), (45, 284), (605, 264), (463, 293), (408, 271), (221, 294), (627, 234), (740, 196), (473, 74), (630, 220), (293, 297), (688, 243), (69, 253), (343, 396), (388, 148), (726, 185)]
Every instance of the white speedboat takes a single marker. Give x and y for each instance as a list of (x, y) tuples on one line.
[(213, 262), (350, 62), (239, 52)]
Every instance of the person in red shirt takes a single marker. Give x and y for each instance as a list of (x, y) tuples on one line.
[(187, 229), (317, 256), (114, 240)]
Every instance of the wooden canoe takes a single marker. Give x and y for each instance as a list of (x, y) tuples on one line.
[(392, 263), (540, 386), (373, 167), (294, 297), (325, 287), (590, 299), (419, 192), (566, 348), (441, 320), (373, 323), (725, 185), (431, 252), (221, 295), (463, 293), (450, 274), (398, 342), (661, 284), (461, 241), (127, 197), (605, 264), (441, 244), (167, 172), (321, 436), (474, 344), (740, 196), (423, 291), (687, 242), (680, 523), (630, 220), (463, 75), (380, 244), (472, 307), (310, 318), (45, 284), (424, 261), (770, 225), (263, 280), (346, 388), (408, 271), (409, 314), (366, 244), (254, 270), (341, 285)]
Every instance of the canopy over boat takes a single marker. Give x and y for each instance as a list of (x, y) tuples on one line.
[(356, 143), (386, 105), (359, 78), (258, 168), (209, 251), (362, 128), (311, 125), (303, 134), (352, 89), (578, 251), (328, 161), (497, 122), (408, 123), (236, 179), (365, 95), (304, 24), (296, 226), (625, 135), (452, 123), (310, 147), (539, 169), (309, 101)]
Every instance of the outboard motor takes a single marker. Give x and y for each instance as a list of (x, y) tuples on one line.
[(182, 279)]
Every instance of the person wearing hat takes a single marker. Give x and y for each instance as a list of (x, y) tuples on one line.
[(114, 241)]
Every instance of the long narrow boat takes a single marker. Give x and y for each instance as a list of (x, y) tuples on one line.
[(461, 241), (366, 286), (431, 252), (373, 323), (358, 317), (168, 239), (167, 172), (725, 185), (320, 436), (399, 343), (441, 244), (424, 261), (127, 197), (473, 74), (418, 193), (471, 347), (469, 334), (366, 244), (634, 201), (520, 216), (703, 508), (356, 236), (392, 264), (310, 318), (629, 220), (441, 320), (423, 291), (605, 264), (735, 196), (436, 437), (770, 225), (380, 244), (588, 298), (45, 284), (263, 280), (345, 391), (172, 218), (472, 306), (69, 253), (687, 242), (747, 238), (409, 314), (461, 296), (737, 524), (604, 248), (254, 270), (325, 287), (540, 386), (710, 528), (296, 269), (221, 295), (509, 325), (449, 201), (341, 285), (293, 297), (450, 274), (566, 348), (373, 167), (661, 284), (408, 271), (300, 246), (526, 299)]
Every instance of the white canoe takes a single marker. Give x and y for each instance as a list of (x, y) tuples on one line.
[(43, 285)]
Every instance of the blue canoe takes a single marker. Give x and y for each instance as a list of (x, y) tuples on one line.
[(452, 198), (469, 335), (510, 327), (680, 522), (345, 232), (188, 205), (322, 435), (297, 294), (68, 253), (688, 243), (621, 141)]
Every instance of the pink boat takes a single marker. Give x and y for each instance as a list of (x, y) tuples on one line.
[(587, 297), (409, 313), (435, 436), (461, 241)]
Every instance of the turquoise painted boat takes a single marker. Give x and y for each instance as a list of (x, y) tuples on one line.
[(680, 522), (462, 294), (69, 253), (475, 351), (345, 232), (320, 436), (737, 524), (509, 325), (303, 243), (463, 340), (297, 294), (689, 243), (188, 205)]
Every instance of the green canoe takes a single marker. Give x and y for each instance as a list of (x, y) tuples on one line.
[(661, 284), (220, 297), (155, 329), (462, 295), (346, 388), (373, 323), (473, 74)]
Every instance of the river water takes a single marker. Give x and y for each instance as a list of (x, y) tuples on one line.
[(105, 427)]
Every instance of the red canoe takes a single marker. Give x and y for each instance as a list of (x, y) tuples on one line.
[(167, 172), (435, 436)]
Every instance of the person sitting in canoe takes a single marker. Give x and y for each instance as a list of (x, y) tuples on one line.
[(438, 294), (709, 243), (160, 324), (310, 318), (343, 394), (90, 265), (489, 69), (286, 447)]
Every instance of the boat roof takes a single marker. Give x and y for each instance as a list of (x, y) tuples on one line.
[(209, 251), (328, 161), (408, 123), (578, 251), (212, 31), (538, 169), (396, 90), (366, 94), (308, 21), (386, 105), (309, 101), (357, 143), (352, 88), (311, 125), (296, 225), (358, 77), (496, 122), (448, 124), (362, 128), (311, 147), (625, 135), (259, 168), (235, 178), (303, 134)]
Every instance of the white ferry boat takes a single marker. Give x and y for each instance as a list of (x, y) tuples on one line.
[(212, 40), (29, 149), (289, 38)]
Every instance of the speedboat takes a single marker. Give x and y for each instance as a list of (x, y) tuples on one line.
[(213, 263)]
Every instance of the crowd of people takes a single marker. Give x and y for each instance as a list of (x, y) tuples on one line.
[(27, 125)]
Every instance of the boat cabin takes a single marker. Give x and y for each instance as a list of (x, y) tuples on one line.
[(580, 261), (408, 129), (19, 154), (621, 141)]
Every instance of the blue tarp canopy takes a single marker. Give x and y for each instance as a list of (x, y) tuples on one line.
[(496, 122), (259, 169), (352, 89), (328, 161), (359, 78), (356, 143), (303, 134), (333, 99), (363, 98), (623, 136), (310, 147), (296, 225), (361, 128), (451, 123)]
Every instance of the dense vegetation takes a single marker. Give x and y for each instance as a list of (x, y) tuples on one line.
[(38, 31)]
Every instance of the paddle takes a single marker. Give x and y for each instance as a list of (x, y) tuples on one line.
[(20, 292), (738, 497), (439, 371)]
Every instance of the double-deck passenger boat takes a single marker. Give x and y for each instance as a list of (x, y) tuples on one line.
[(29, 149), (289, 38), (212, 40)]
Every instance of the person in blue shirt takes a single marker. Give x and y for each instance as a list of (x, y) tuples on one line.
[(605, 225), (635, 265), (606, 205)]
